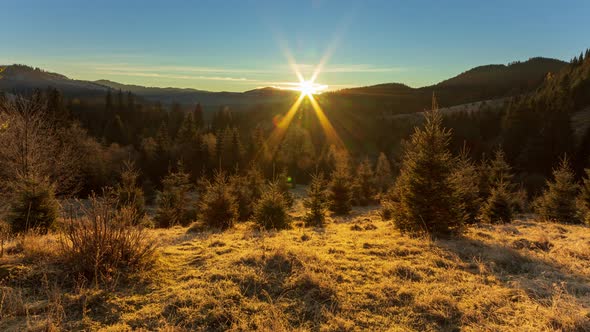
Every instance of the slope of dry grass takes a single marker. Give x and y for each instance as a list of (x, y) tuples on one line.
[(358, 273)]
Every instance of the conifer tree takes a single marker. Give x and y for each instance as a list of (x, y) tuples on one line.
[(383, 174), (109, 101), (218, 206), (283, 183), (493, 173), (130, 101), (236, 149), (247, 189), (340, 190), (119, 101), (187, 131), (173, 200), (162, 154), (424, 198), (517, 126), (59, 114), (500, 171), (33, 205), (118, 132), (271, 209), (316, 201), (584, 199), (198, 116), (582, 158), (497, 208), (465, 179), (558, 202), (364, 183)]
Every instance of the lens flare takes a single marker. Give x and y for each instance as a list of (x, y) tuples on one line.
[(307, 88)]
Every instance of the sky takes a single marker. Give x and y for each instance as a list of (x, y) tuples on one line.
[(242, 45)]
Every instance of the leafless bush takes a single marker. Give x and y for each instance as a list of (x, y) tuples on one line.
[(11, 302), (103, 244), (33, 146), (4, 235)]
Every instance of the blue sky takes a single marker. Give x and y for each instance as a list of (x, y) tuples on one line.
[(241, 45)]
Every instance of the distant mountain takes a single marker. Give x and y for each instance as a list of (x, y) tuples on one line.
[(524, 74), (480, 83), (24, 79), (21, 78), (496, 81), (193, 96)]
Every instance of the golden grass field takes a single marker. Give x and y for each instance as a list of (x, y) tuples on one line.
[(356, 274)]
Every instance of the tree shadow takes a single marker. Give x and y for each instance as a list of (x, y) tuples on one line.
[(516, 270), (281, 279)]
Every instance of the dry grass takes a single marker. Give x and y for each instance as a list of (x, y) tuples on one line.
[(357, 273)]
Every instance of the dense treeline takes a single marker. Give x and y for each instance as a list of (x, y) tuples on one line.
[(243, 163)]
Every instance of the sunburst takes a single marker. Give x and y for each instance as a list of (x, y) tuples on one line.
[(307, 89)]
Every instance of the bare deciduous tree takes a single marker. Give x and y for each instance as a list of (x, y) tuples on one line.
[(31, 146)]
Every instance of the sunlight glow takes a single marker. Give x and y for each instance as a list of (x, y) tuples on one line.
[(277, 135), (329, 131), (308, 89)]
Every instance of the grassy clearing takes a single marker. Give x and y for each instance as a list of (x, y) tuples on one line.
[(357, 273)]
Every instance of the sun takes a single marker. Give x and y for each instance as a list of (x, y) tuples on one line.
[(308, 88)]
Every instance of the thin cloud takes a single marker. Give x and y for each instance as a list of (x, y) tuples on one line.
[(191, 69), (341, 68), (350, 68), (181, 77)]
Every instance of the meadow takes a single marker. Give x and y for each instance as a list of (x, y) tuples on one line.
[(356, 273)]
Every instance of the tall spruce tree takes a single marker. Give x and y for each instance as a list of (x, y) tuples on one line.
[(424, 198), (558, 202), (364, 183), (316, 201), (340, 190), (218, 206), (465, 179), (584, 199), (383, 174), (198, 116), (33, 205), (493, 173), (173, 200), (497, 208)]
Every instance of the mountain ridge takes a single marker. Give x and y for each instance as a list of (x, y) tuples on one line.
[(478, 83)]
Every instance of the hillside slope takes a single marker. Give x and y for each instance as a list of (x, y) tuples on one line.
[(20, 78), (477, 84)]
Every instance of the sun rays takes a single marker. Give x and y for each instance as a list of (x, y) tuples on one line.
[(307, 89)]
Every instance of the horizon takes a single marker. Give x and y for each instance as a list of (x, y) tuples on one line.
[(284, 87), (206, 46)]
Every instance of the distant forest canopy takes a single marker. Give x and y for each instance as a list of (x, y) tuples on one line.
[(534, 126)]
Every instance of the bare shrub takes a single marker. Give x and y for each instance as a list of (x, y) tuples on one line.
[(102, 244), (33, 145), (37, 247), (11, 302), (4, 235), (128, 192)]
